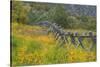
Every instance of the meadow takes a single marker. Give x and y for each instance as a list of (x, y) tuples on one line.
[(30, 48), (31, 45)]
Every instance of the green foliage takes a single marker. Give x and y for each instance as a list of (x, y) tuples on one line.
[(60, 16), (56, 55), (19, 12), (34, 46), (88, 22), (28, 13), (16, 41)]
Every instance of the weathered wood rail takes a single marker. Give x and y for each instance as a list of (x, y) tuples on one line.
[(62, 36)]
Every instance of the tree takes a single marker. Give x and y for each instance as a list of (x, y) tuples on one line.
[(19, 12), (59, 15)]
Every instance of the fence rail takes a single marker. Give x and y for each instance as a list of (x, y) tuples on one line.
[(62, 37)]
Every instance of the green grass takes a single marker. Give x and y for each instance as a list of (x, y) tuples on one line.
[(33, 49)]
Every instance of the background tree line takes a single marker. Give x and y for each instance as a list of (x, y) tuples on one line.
[(32, 12)]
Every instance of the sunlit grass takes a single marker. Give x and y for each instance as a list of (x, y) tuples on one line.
[(32, 49)]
